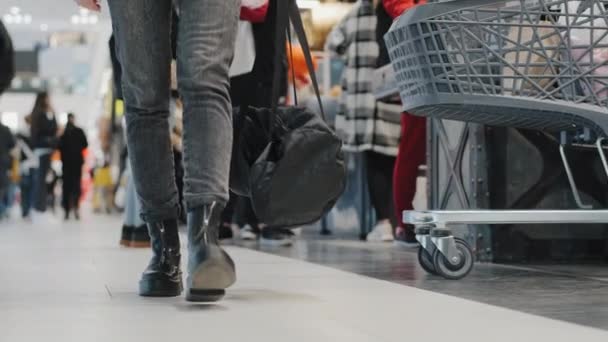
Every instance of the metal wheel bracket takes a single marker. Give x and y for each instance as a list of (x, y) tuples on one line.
[(426, 243), (447, 247)]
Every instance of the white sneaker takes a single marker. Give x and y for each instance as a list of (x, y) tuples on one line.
[(382, 232), (277, 237), (248, 234)]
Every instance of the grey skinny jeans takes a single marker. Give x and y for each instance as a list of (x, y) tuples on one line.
[(205, 47)]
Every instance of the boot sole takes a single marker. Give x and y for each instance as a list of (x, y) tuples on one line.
[(210, 280), (160, 288), (204, 296)]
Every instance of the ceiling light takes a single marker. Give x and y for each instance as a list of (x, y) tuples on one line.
[(35, 82), (8, 19), (27, 19), (44, 27), (16, 83), (18, 19), (15, 10), (75, 20), (84, 20), (93, 19)]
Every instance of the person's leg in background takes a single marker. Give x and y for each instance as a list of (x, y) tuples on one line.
[(140, 238), (143, 46), (134, 230), (241, 93), (67, 191), (229, 227), (77, 186), (380, 182), (206, 36), (40, 191), (412, 154), (11, 195), (247, 219), (26, 192), (129, 213), (3, 192), (51, 182)]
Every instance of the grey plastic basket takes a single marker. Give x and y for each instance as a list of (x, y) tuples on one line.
[(503, 63)]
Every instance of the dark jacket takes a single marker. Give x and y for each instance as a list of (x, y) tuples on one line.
[(387, 11), (7, 142), (255, 88), (7, 59), (384, 24), (44, 131), (71, 144)]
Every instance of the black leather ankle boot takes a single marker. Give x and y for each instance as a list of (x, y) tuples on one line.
[(210, 269), (163, 276)]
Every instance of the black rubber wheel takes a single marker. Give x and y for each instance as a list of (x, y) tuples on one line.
[(454, 272), (425, 259)]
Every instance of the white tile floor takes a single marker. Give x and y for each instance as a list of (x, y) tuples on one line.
[(71, 282)]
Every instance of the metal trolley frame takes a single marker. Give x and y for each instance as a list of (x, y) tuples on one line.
[(514, 63)]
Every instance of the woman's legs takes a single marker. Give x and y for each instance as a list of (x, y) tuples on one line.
[(207, 31), (380, 183), (40, 193), (26, 193), (205, 46), (143, 44), (412, 154)]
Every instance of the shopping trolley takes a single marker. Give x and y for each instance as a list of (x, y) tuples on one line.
[(535, 64)]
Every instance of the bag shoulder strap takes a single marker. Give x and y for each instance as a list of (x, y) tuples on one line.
[(286, 10), (298, 27)]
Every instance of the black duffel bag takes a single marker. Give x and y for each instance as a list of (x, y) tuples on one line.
[(7, 59), (287, 160)]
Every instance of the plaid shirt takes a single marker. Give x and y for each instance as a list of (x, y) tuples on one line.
[(362, 123)]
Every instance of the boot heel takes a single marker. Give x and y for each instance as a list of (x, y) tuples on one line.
[(160, 288), (210, 269)]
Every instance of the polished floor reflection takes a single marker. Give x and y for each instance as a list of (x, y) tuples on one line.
[(72, 282), (572, 293)]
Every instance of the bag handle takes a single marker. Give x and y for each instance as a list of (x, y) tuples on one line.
[(298, 27), (286, 10)]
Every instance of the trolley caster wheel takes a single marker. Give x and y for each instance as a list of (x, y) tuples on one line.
[(454, 272), (425, 259)]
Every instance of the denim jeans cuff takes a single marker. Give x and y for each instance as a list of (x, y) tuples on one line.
[(195, 201), (160, 215)]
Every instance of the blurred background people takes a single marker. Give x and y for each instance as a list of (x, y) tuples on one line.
[(365, 125), (103, 188), (27, 167), (299, 75), (72, 144), (44, 141), (134, 231), (207, 30), (7, 142), (255, 89), (412, 145)]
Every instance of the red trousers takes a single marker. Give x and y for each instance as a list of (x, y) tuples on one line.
[(412, 154)]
